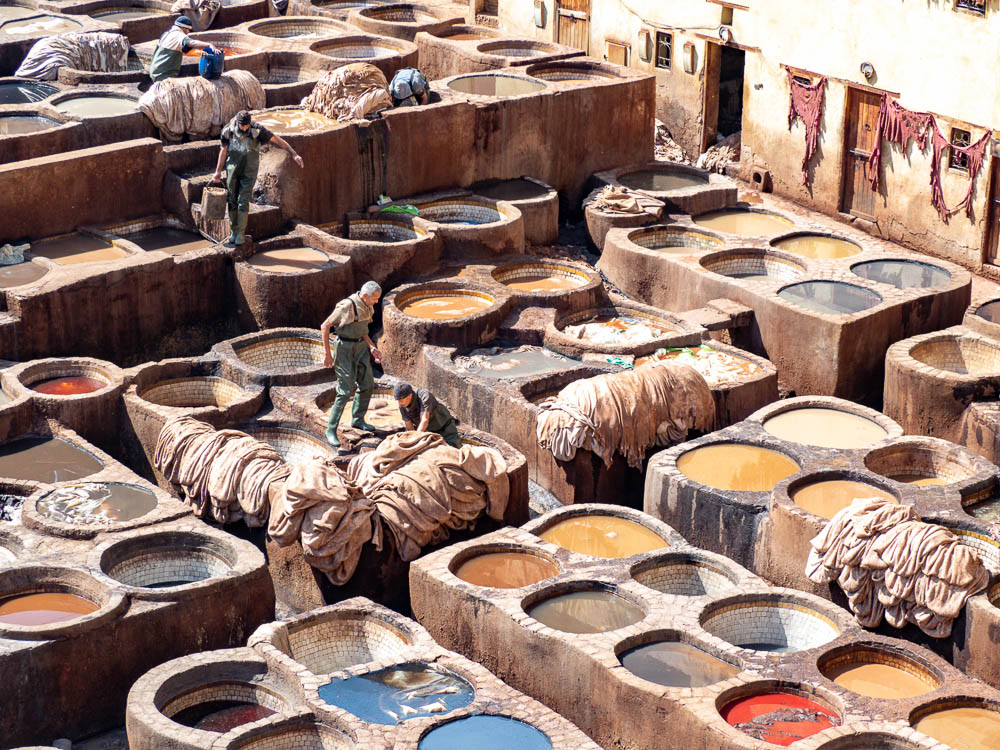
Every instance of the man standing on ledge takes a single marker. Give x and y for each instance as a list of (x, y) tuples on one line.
[(421, 411), (240, 155), (350, 357), (169, 53)]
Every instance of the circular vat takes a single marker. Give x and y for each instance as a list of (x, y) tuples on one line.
[(826, 497), (540, 278), (495, 84), (222, 706), (75, 248), (512, 361), (193, 393), (292, 120), (383, 410), (662, 179), (744, 222), (485, 732), (902, 274), (959, 354), (25, 92), (875, 740), (444, 304), (167, 559), (717, 367), (40, 25), (684, 575), (402, 692), (301, 259), (20, 274), (503, 567), (830, 297), (817, 246), (968, 724), (46, 459), (774, 625), (752, 265), (296, 28), (339, 642), (295, 446), (382, 229), (825, 428), (50, 598), (300, 736), (65, 378), (664, 660), (115, 14), (516, 48), (282, 354), (461, 211), (358, 47), (919, 465), (615, 326), (878, 672), (101, 503), (518, 189), (399, 13), (990, 311), (593, 609), (738, 467), (678, 241), (779, 716), (569, 70), (604, 536), (18, 124), (985, 547)]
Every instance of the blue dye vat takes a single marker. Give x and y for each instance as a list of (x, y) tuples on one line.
[(485, 733), (406, 691), (457, 221)]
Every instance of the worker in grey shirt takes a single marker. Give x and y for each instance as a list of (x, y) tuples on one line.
[(421, 411)]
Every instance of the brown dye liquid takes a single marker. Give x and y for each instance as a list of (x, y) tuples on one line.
[(586, 612), (603, 536), (44, 609), (96, 106), (506, 570), (495, 85), (660, 181), (169, 240), (20, 273), (289, 260), (77, 248), (826, 428), (69, 386), (676, 665), (732, 466), (963, 728), (96, 502), (879, 681), (818, 246), (383, 412), (285, 121), (919, 480), (544, 283), (446, 307), (510, 190), (825, 499), (746, 223), (45, 460), (21, 124)]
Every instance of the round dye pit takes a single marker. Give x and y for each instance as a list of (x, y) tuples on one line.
[(736, 466), (684, 575), (825, 499), (193, 393), (459, 212), (752, 266), (282, 354), (570, 71), (96, 106), (446, 304), (603, 536), (69, 385), (779, 718), (676, 665), (304, 736), (296, 28), (619, 329), (40, 26), (539, 278), (48, 460), (169, 240), (773, 626), (830, 297), (586, 612), (962, 355), (519, 189), (902, 274), (494, 84), (359, 640), (77, 248), (22, 124), (515, 362), (382, 230), (44, 608), (818, 246), (414, 690), (461, 37), (289, 260), (221, 716), (990, 311), (230, 51), (506, 570), (295, 446), (674, 241), (20, 274), (286, 121), (165, 560), (825, 428), (717, 367), (126, 14), (23, 92), (399, 13), (662, 180), (485, 733), (963, 728), (987, 510), (744, 223), (879, 674), (357, 48), (508, 48), (383, 411), (96, 503)]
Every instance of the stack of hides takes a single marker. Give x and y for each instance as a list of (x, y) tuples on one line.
[(626, 411), (201, 12), (351, 92), (98, 52), (890, 563)]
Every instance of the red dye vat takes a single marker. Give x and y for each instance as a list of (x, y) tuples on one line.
[(232, 717), (230, 51), (72, 386), (779, 718)]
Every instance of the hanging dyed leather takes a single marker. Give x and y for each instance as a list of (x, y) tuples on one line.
[(806, 104), (897, 125), (976, 154)]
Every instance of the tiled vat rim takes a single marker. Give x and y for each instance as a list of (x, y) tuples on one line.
[(656, 237), (431, 289), (482, 210), (351, 45), (295, 444), (675, 325), (293, 26), (527, 269), (116, 232), (827, 402), (403, 13), (193, 392), (942, 354), (518, 48), (366, 229), (34, 371), (274, 351), (976, 322), (779, 267)]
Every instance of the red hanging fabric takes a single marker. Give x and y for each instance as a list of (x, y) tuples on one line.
[(976, 154), (806, 104), (897, 125)]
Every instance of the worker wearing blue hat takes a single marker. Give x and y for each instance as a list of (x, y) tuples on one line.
[(170, 49)]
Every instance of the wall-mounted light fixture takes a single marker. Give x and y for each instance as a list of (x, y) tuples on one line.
[(645, 45), (867, 70), (689, 64), (725, 34)]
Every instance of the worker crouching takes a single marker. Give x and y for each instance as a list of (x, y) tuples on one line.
[(421, 411)]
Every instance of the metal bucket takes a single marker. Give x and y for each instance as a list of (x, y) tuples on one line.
[(213, 203)]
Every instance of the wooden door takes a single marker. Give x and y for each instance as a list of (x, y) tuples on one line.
[(993, 215), (859, 141), (573, 23)]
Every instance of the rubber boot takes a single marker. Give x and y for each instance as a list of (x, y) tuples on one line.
[(336, 411), (241, 224), (358, 411), (233, 224)]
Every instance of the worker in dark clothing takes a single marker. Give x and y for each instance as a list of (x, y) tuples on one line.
[(409, 88), (421, 411)]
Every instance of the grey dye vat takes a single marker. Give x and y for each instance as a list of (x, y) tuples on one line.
[(830, 297), (485, 733), (49, 460), (96, 503), (586, 612), (396, 694), (517, 362), (18, 92), (676, 665)]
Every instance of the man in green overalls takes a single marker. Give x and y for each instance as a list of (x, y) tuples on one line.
[(421, 411), (240, 155), (350, 357), (169, 53)]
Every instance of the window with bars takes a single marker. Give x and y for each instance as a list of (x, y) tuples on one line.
[(962, 139), (976, 6), (804, 80), (664, 48)]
